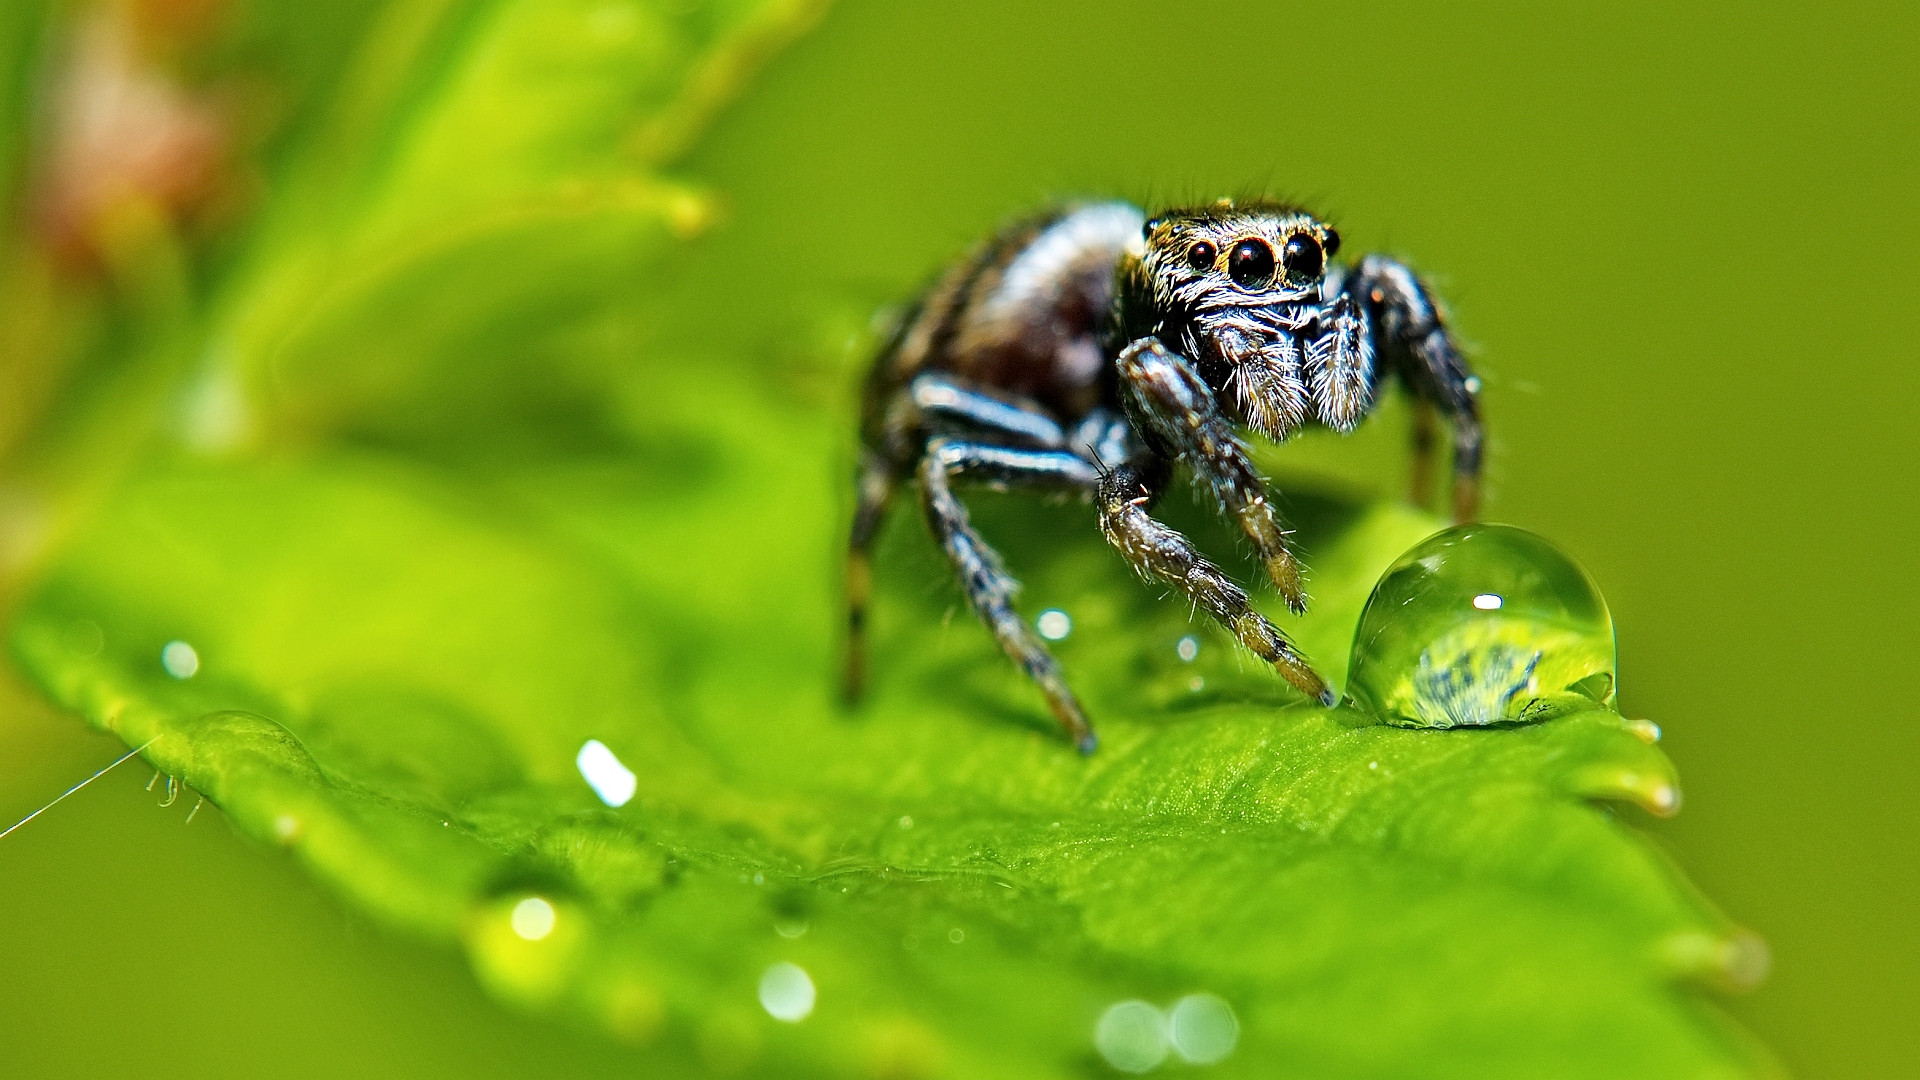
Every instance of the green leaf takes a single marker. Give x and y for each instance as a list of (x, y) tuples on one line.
[(489, 173), (398, 665), (470, 513)]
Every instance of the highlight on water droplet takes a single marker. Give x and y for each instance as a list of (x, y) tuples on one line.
[(1053, 624), (1187, 648), (533, 918), (604, 773), (786, 992), (1132, 1036), (179, 659), (1203, 1029), (1482, 624)]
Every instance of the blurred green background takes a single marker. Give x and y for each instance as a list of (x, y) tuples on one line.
[(1680, 242)]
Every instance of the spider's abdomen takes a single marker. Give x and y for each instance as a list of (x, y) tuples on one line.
[(1023, 315)]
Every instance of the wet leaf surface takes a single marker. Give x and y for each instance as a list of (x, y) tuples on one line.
[(442, 509)]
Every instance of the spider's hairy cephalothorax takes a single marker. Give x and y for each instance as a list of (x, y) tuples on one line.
[(1240, 289), (1093, 349)]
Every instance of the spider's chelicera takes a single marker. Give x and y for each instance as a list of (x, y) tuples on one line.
[(1093, 349)]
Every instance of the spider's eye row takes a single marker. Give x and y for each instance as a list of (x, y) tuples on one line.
[(1303, 258), (1333, 242), (1201, 255), (1250, 264)]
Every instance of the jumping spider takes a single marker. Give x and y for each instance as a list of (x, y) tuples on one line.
[(1091, 349)]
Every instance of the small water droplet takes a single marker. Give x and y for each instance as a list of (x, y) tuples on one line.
[(906, 821), (1481, 624), (1646, 730), (1187, 648), (786, 992), (956, 935), (180, 660), (1132, 1036), (286, 827), (1196, 684), (1373, 764), (603, 772), (759, 879), (533, 918), (790, 928), (1053, 624), (1203, 1029)]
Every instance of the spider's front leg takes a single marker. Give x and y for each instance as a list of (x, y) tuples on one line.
[(1174, 407), (1410, 339), (1160, 553)]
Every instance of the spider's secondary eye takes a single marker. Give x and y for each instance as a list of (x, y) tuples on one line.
[(1251, 264), (1303, 258), (1201, 255), (1333, 242)]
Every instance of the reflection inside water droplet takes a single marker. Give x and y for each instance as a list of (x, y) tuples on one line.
[(533, 918), (786, 992), (1132, 1036), (1203, 1029), (1481, 624)]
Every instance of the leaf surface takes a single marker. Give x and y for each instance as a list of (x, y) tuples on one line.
[(445, 510)]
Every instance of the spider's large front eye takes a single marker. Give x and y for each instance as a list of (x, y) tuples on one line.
[(1303, 258), (1250, 264), (1201, 255)]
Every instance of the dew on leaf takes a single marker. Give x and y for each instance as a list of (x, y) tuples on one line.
[(1132, 1036), (1203, 1029), (786, 992), (1481, 624), (604, 773), (180, 660)]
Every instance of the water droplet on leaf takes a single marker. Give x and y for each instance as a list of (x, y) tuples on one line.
[(180, 660), (1132, 1036), (1203, 1029), (786, 992), (1481, 624)]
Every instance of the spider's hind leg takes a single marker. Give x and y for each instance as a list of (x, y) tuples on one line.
[(1411, 339), (875, 493), (989, 588)]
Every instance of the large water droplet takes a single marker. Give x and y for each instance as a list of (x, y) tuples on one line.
[(1481, 624)]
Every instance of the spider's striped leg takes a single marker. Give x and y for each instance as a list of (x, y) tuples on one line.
[(1176, 410), (1159, 553), (875, 493), (988, 586), (1411, 339)]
